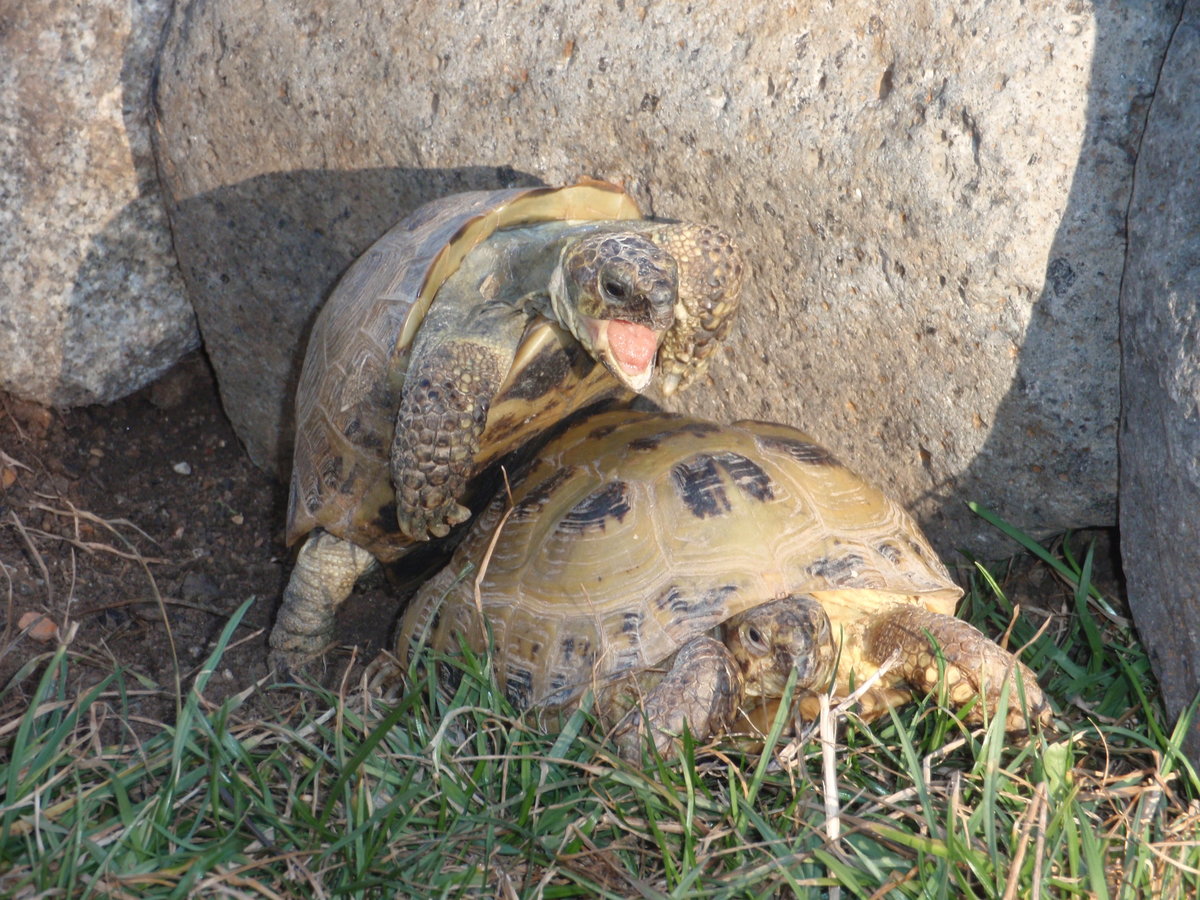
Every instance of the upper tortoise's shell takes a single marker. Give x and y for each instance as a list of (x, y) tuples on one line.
[(635, 532), (350, 385)]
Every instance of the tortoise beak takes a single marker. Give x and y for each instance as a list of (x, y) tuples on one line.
[(627, 349)]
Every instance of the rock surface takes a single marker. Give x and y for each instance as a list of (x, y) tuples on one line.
[(91, 303), (932, 195), (1160, 361)]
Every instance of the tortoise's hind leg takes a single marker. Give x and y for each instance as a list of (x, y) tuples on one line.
[(973, 665), (702, 688), (324, 575)]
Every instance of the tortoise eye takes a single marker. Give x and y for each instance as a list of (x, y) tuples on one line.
[(754, 639), (615, 289)]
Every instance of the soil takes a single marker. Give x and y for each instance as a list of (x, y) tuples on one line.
[(137, 528)]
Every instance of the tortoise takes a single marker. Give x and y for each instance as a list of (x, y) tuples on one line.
[(462, 334), (691, 566)]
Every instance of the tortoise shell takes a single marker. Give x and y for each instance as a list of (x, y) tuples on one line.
[(357, 356), (632, 533)]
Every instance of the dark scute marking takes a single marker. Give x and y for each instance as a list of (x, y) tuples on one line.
[(558, 687), (839, 570), (353, 427), (561, 694), (922, 553), (567, 649), (626, 659), (518, 687), (330, 472), (889, 551), (531, 504), (804, 452), (700, 429), (699, 486), (631, 623), (645, 444), (602, 432), (702, 611), (590, 513), (670, 599), (747, 475)]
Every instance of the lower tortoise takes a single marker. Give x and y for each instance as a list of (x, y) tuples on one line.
[(682, 570)]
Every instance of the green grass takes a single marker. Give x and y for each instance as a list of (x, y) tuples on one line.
[(350, 796)]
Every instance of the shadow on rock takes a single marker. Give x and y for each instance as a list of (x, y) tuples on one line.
[(1059, 419), (260, 256)]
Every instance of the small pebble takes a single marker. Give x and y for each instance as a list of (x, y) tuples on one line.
[(183, 468), (41, 627)]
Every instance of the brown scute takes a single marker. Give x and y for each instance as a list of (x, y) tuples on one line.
[(590, 513), (801, 451), (748, 475), (698, 484)]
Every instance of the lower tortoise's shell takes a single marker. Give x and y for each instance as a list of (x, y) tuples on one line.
[(635, 532)]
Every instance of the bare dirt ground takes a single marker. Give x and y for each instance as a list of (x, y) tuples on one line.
[(112, 517)]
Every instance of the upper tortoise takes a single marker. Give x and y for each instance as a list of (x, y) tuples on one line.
[(683, 570), (470, 328)]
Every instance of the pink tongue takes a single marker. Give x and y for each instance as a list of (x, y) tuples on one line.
[(633, 345)]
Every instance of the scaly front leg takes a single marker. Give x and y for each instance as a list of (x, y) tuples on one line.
[(972, 665), (447, 394)]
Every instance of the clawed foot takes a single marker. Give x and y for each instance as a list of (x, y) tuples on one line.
[(421, 523)]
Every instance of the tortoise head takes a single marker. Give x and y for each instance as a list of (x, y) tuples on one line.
[(771, 640), (617, 294)]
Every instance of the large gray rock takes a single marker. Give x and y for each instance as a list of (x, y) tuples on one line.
[(91, 302), (931, 194), (1160, 363)]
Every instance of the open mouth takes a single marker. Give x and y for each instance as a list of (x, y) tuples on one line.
[(627, 349)]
